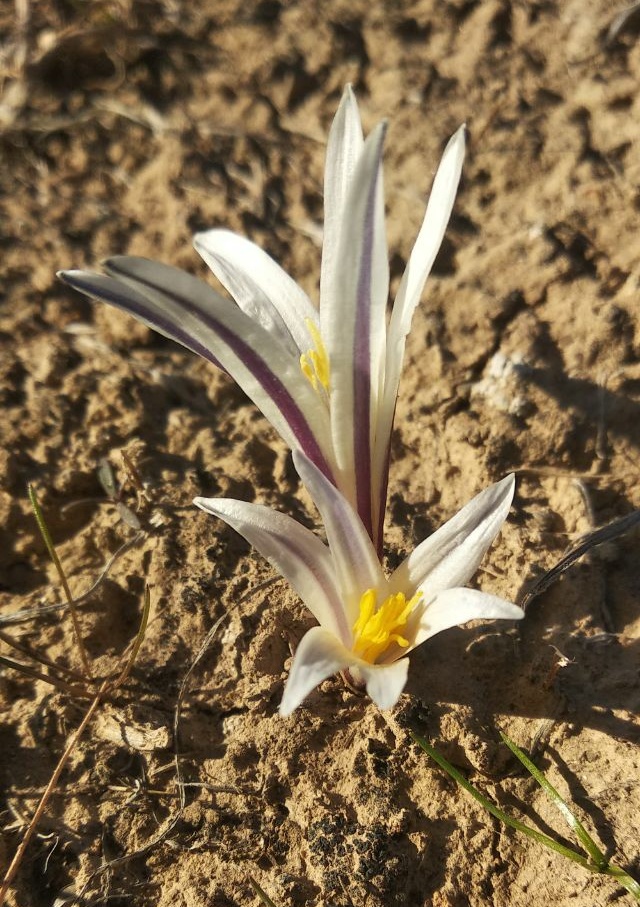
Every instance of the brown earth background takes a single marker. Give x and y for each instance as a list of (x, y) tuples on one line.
[(126, 127)]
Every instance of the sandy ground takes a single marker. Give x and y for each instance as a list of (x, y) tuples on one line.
[(125, 127)]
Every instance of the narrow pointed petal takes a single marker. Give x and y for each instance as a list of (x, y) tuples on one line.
[(356, 563), (451, 556), (319, 655), (354, 324), (454, 607), (293, 551), (259, 286), (343, 151), (187, 333), (185, 309), (385, 682), (430, 236), (439, 207)]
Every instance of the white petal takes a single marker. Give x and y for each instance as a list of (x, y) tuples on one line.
[(293, 551), (451, 556), (184, 308), (429, 239), (354, 324), (343, 150), (420, 262), (260, 287), (319, 655), (385, 682), (454, 607), (356, 563)]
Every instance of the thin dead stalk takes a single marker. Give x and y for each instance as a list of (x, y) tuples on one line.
[(83, 688), (51, 786), (63, 579), (28, 671), (34, 613), (25, 649), (181, 785)]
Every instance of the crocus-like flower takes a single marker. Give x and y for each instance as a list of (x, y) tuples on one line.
[(326, 378), (368, 622)]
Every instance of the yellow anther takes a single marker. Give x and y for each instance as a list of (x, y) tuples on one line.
[(315, 362), (375, 630), (308, 370)]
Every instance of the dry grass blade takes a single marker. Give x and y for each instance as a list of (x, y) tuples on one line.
[(107, 687), (38, 675), (51, 786), (181, 785), (137, 641), (34, 613), (42, 526), (22, 647), (81, 688), (622, 21), (601, 536)]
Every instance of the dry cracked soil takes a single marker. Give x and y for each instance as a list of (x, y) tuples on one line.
[(124, 128)]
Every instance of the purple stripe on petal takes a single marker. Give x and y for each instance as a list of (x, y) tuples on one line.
[(136, 303), (278, 392), (287, 544), (113, 292), (294, 551), (382, 490), (362, 365)]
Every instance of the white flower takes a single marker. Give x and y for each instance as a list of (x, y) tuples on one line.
[(326, 379), (369, 623)]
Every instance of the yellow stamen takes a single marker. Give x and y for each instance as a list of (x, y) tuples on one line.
[(315, 362), (375, 630)]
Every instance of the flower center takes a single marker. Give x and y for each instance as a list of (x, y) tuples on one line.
[(315, 362), (375, 629)]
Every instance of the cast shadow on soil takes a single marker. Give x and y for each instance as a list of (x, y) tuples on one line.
[(586, 801), (619, 413), (498, 671), (614, 409)]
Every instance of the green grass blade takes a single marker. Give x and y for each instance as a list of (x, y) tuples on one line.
[(264, 897), (581, 833), (624, 879), (495, 811)]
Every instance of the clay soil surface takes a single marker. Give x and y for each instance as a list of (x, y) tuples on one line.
[(126, 127)]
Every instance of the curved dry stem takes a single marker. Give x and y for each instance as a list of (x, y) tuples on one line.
[(44, 799)]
